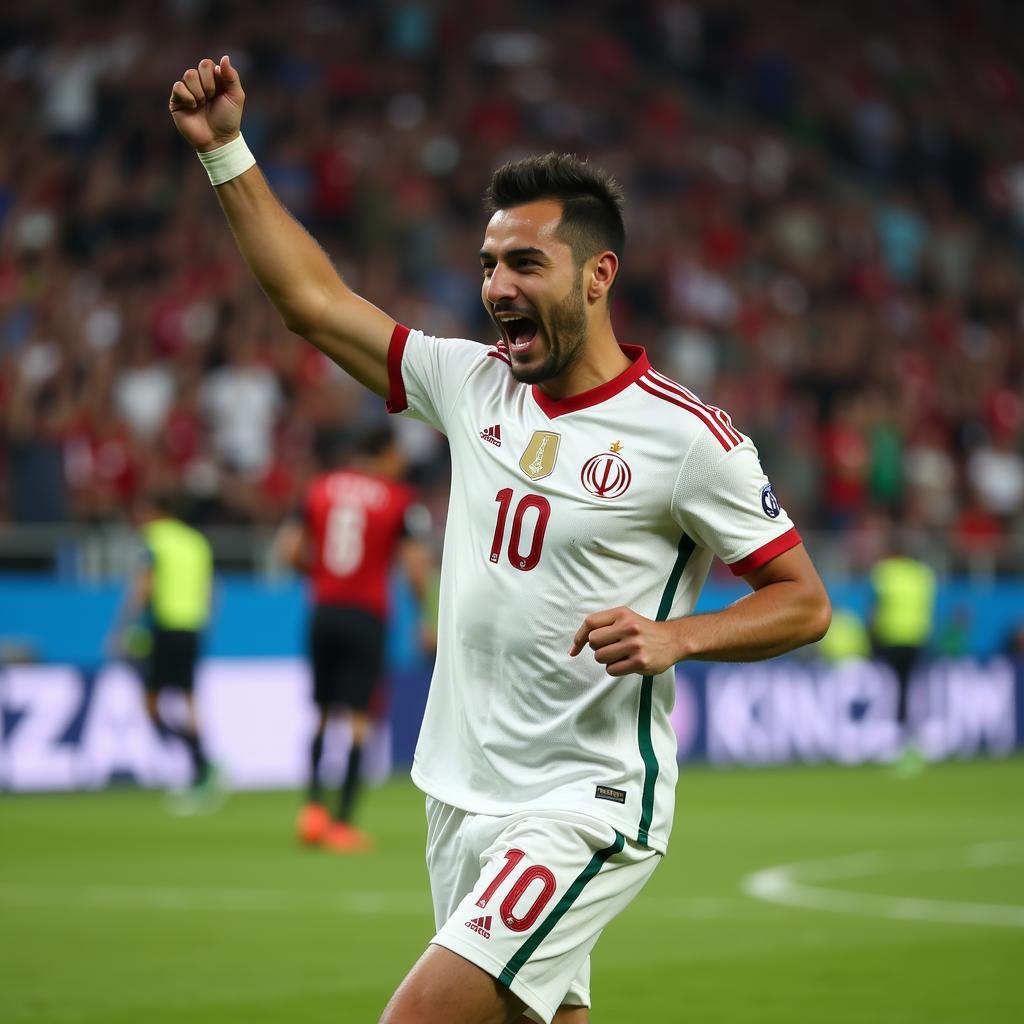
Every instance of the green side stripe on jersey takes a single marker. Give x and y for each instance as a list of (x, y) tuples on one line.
[(529, 947), (686, 546)]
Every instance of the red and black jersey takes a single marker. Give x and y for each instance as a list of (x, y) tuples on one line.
[(355, 522)]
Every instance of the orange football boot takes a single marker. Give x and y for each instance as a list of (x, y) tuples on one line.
[(312, 824), (343, 838)]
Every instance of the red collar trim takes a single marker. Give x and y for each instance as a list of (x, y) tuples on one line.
[(554, 407)]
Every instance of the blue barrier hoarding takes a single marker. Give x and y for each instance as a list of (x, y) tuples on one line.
[(63, 727), (791, 710)]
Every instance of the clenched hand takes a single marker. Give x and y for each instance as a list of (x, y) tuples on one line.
[(627, 643), (206, 104)]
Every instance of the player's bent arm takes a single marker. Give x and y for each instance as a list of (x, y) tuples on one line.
[(788, 608), (139, 596), (135, 600), (302, 283)]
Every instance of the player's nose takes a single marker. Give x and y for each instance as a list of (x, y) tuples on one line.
[(500, 285)]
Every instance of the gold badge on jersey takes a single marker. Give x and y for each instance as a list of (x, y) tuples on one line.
[(538, 460)]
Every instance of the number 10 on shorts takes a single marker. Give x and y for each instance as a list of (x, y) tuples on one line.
[(509, 905)]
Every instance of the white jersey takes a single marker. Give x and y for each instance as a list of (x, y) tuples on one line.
[(620, 496)]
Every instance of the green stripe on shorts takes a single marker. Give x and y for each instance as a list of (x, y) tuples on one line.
[(527, 949)]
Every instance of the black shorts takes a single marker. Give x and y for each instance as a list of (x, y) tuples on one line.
[(172, 660), (900, 658), (346, 648)]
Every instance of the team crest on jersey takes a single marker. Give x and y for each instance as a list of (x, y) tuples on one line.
[(538, 460), (607, 475)]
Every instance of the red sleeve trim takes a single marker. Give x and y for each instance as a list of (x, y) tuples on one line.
[(397, 400), (763, 555)]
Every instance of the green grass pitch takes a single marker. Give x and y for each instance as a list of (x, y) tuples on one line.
[(113, 912)]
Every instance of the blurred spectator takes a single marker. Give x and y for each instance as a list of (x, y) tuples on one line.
[(38, 408), (242, 400), (978, 537), (143, 391), (996, 472)]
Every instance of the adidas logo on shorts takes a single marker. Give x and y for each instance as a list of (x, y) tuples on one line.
[(480, 925)]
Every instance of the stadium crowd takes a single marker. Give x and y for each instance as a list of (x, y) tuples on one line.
[(826, 232)]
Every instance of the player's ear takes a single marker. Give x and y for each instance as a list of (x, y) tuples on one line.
[(600, 272)]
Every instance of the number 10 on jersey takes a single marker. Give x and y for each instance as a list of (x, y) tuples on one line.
[(523, 519)]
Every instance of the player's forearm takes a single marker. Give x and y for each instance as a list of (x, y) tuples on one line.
[(771, 621), (290, 266), (291, 547)]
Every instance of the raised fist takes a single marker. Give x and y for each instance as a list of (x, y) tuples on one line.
[(206, 104)]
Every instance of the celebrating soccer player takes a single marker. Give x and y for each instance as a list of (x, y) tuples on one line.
[(589, 495)]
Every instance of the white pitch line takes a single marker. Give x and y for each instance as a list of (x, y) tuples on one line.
[(183, 898), (699, 907), (788, 884), (135, 897)]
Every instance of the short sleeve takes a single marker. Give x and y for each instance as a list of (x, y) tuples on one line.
[(723, 500), (426, 375)]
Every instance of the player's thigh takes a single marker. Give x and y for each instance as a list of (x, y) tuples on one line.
[(546, 888), (565, 1015), (445, 988), (360, 670), (173, 660), (346, 647)]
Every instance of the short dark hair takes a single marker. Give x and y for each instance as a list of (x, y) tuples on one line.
[(336, 447), (591, 199), (159, 500)]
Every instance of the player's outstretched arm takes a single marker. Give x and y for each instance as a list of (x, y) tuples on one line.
[(788, 608), (206, 105)]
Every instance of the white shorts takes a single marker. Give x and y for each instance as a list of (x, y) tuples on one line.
[(526, 896)]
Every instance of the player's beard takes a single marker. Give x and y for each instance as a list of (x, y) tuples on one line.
[(565, 330)]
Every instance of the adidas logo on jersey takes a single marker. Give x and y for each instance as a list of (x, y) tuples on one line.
[(493, 435), (480, 925)]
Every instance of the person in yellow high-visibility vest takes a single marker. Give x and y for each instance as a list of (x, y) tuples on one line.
[(901, 627), (172, 595)]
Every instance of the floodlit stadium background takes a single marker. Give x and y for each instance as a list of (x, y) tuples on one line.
[(826, 232)]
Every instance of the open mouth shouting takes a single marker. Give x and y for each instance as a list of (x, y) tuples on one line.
[(518, 330)]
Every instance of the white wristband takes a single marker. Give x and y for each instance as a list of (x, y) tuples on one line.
[(227, 162)]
